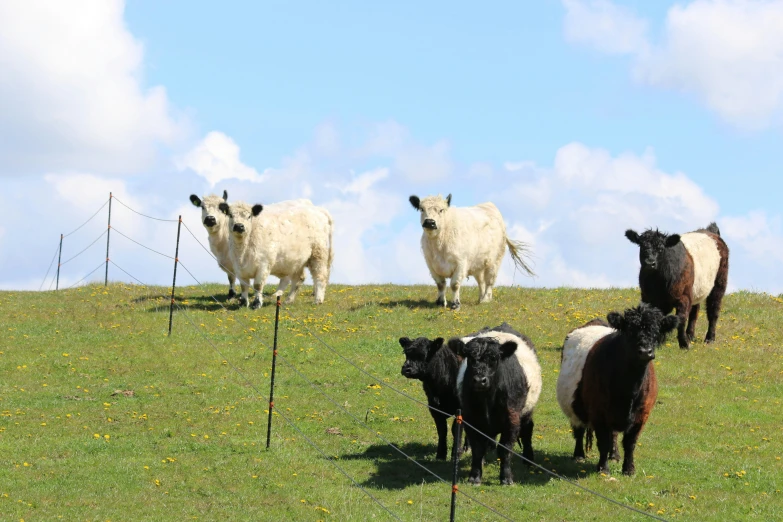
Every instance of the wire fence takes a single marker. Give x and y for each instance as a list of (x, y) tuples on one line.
[(290, 366)]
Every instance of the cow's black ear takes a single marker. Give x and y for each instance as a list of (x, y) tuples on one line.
[(457, 346), (672, 240), (414, 201), (435, 345), (616, 320), (405, 342), (223, 207), (195, 200), (448, 200), (632, 236), (508, 348), (225, 195), (257, 208), (669, 323)]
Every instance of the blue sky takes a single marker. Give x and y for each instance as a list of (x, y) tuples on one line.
[(577, 118)]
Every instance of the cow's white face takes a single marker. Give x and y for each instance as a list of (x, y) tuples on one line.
[(433, 210), (240, 217), (211, 216)]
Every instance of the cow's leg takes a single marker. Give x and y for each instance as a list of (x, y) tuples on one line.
[(482, 286), (629, 445), (441, 284), (615, 454), (508, 438), (478, 445), (579, 437), (683, 309), (441, 424), (258, 284), (231, 282), (603, 437), (490, 276), (526, 436), (319, 269), (297, 281), (283, 284), (692, 317), (244, 284), (715, 298), (456, 282)]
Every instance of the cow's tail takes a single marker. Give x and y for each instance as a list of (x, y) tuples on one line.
[(589, 439), (331, 245), (713, 227), (520, 250)]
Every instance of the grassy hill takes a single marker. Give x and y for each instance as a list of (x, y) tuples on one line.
[(105, 417)]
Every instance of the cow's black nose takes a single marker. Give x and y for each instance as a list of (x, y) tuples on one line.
[(430, 224), (482, 382), (239, 227), (210, 221)]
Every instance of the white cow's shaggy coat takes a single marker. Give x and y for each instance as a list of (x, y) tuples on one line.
[(706, 261), (281, 242), (527, 359), (458, 242), (575, 349)]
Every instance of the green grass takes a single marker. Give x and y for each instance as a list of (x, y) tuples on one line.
[(189, 442)]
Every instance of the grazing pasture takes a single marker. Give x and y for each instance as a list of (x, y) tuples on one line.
[(104, 417)]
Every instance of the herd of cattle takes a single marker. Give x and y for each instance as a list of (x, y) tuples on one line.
[(606, 383)]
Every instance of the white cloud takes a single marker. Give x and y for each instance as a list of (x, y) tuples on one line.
[(605, 26), (216, 159), (729, 53), (72, 96)]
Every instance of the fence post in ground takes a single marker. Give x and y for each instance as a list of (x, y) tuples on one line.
[(455, 460), (59, 257), (174, 281), (272, 383), (108, 233)]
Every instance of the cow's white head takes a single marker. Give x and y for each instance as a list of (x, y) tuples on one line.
[(211, 217), (433, 210), (240, 217)]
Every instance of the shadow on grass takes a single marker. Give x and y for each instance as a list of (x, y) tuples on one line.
[(407, 303), (395, 471)]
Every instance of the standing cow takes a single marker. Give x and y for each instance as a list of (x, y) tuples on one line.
[(216, 224), (280, 243), (607, 380), (681, 272), (499, 383), (467, 241)]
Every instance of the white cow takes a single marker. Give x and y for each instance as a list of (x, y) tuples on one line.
[(279, 242), (461, 242), (216, 224)]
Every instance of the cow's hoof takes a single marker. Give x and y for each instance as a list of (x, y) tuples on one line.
[(506, 482), (579, 459), (256, 304), (476, 481), (440, 302), (629, 471), (231, 293), (455, 305), (709, 340), (242, 301)]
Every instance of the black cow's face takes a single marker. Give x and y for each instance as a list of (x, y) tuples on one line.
[(432, 209), (418, 353), (484, 355), (240, 216), (652, 245), (644, 327)]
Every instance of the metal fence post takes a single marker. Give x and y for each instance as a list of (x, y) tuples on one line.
[(59, 257), (455, 461), (174, 281), (272, 383), (108, 233)]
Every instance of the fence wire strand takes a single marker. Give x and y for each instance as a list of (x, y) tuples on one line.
[(103, 263), (88, 220), (50, 267), (284, 417), (143, 246), (144, 215), (85, 248)]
